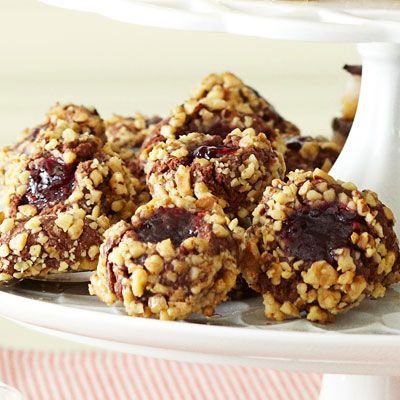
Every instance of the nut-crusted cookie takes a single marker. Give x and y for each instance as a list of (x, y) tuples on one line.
[(50, 243), (227, 91), (168, 262), (60, 199), (341, 125), (219, 105), (308, 153), (235, 169), (79, 118), (68, 169), (319, 247), (126, 135)]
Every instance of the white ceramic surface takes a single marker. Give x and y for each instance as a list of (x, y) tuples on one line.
[(355, 387), (342, 20), (366, 340), (238, 330), (9, 393), (334, 386)]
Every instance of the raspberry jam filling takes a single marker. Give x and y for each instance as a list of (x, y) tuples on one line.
[(312, 235), (169, 223), (50, 182), (209, 152)]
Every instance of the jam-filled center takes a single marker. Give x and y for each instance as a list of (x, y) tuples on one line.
[(50, 182), (209, 152), (169, 223), (312, 235)]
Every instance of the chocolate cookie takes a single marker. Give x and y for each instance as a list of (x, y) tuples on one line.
[(127, 134), (219, 105), (308, 153), (79, 118), (234, 169), (168, 262), (60, 198), (319, 247)]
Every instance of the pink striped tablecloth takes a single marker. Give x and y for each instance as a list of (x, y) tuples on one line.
[(114, 376)]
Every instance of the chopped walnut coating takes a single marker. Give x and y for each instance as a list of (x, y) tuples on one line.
[(241, 98), (219, 105), (308, 153), (79, 118), (235, 169), (50, 243), (319, 247), (69, 188), (126, 135), (168, 262), (72, 169)]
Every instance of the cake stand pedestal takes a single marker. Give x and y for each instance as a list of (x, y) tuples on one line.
[(371, 156), (359, 387)]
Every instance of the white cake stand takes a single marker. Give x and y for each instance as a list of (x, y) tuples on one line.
[(371, 159)]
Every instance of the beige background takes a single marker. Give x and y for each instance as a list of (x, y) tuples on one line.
[(49, 54)]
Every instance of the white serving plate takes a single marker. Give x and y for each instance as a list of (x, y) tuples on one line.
[(237, 333), (324, 20)]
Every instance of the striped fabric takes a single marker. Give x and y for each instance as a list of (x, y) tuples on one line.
[(114, 376)]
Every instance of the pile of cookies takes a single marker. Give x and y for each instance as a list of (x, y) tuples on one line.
[(176, 215)]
